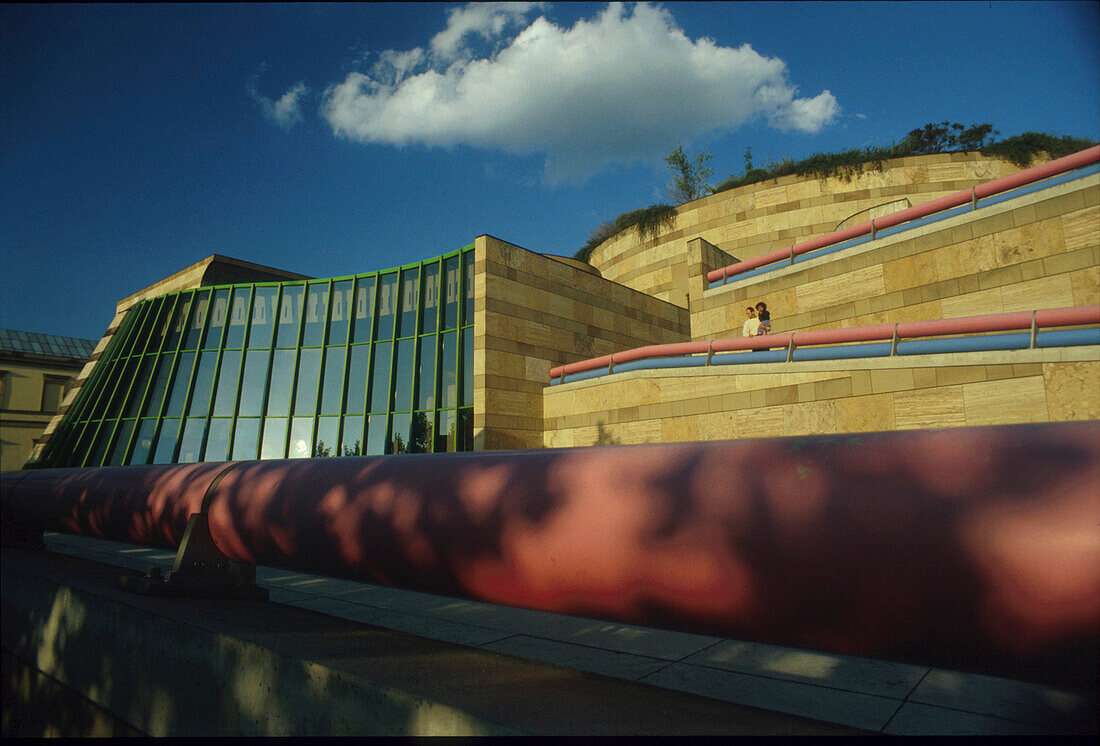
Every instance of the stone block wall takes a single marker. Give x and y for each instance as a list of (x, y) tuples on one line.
[(815, 398), (752, 220), (1037, 251), (532, 312)]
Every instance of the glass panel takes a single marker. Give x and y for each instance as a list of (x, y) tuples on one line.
[(313, 335), (180, 385), (238, 318), (357, 379), (445, 433), (253, 382), (332, 388), (141, 383), (166, 443), (404, 376), (263, 312), (122, 442), (274, 445), (425, 377), (421, 434), (156, 396), (338, 314), (217, 442), (160, 328), (198, 320), (143, 444), (410, 294), (118, 398), (450, 298), (191, 442), (465, 430), (102, 438), (468, 312), (399, 439), (326, 444), (376, 435), (282, 378), (245, 438), (448, 371), (179, 319), (364, 308), (351, 442), (301, 437), (431, 299), (290, 315), (380, 385), (309, 370), (218, 313), (467, 367), (226, 395), (387, 305), (203, 385)]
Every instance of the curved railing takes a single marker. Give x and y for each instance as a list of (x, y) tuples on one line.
[(791, 346), (872, 227)]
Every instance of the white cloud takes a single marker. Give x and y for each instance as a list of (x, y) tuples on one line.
[(621, 87), (287, 111)]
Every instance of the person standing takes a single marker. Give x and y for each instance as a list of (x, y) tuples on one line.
[(751, 327), (764, 317)]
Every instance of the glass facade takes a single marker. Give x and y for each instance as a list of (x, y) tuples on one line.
[(371, 364)]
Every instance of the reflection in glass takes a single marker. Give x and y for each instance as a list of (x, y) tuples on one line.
[(313, 333), (191, 442), (410, 287), (102, 438), (421, 433), (448, 368), (217, 441), (141, 383), (122, 388), (156, 396), (274, 445), (219, 311), (327, 436), (179, 321), (399, 437), (351, 441), (357, 379), (245, 437), (467, 367), (253, 382), (450, 297), (364, 309), (465, 430), (309, 370), (403, 376), (425, 377), (160, 326), (468, 311), (338, 314), (180, 385), (166, 442), (445, 432), (226, 394), (122, 442), (431, 299), (376, 435), (290, 316), (264, 307), (387, 305), (203, 384), (143, 444), (198, 320), (332, 387), (282, 378), (380, 385), (301, 437), (238, 318)]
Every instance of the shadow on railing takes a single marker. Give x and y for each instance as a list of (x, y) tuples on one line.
[(791, 345), (872, 227)]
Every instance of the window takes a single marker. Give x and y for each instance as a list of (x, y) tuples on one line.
[(53, 391)]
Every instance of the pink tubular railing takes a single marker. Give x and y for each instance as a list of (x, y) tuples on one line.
[(975, 549), (1071, 316), (989, 188)]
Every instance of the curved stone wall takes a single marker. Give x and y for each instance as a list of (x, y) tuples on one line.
[(749, 221)]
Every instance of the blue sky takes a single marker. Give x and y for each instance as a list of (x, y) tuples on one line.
[(334, 139)]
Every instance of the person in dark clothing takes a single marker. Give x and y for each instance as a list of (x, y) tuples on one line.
[(764, 317)]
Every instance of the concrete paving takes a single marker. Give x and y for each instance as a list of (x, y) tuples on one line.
[(870, 695)]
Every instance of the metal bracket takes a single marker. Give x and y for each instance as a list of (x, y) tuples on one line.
[(200, 569), (1034, 330), (894, 342), (790, 349)]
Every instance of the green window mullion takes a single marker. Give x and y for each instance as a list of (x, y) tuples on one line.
[(167, 317), (392, 383), (370, 359), (117, 360), (270, 362), (294, 371), (217, 363), (240, 370), (156, 315), (184, 297), (437, 373), (321, 368), (414, 389), (345, 384), (194, 372)]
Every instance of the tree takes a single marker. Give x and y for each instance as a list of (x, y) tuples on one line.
[(690, 176)]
